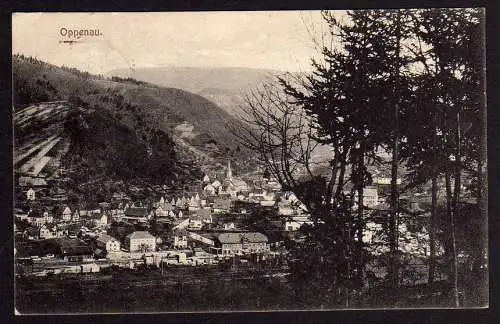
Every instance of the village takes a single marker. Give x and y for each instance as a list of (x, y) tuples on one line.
[(223, 218), (204, 228)]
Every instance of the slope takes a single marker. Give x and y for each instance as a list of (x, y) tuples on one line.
[(122, 129)]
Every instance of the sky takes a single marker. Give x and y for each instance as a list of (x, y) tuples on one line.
[(280, 40)]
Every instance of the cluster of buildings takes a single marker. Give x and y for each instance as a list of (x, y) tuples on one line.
[(205, 224), (210, 223)]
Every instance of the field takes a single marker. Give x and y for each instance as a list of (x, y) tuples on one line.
[(206, 289)]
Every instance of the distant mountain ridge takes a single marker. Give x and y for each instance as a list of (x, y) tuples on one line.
[(225, 86), (197, 79)]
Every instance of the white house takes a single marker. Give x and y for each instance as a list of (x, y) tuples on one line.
[(30, 194), (195, 222), (100, 220), (180, 239), (370, 196), (66, 214), (291, 225), (209, 189), (140, 241), (45, 232), (194, 204), (108, 243)]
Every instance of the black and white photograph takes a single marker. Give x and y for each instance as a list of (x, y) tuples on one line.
[(249, 161)]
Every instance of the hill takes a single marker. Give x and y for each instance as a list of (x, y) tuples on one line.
[(119, 129), (224, 86)]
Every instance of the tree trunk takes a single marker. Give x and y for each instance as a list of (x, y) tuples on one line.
[(359, 223), (452, 258), (432, 229), (393, 222), (456, 207)]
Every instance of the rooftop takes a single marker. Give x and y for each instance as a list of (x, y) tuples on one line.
[(104, 238), (252, 237), (136, 211), (140, 235)]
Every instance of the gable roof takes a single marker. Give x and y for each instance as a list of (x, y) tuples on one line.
[(105, 238), (165, 206), (136, 211), (254, 237), (234, 238), (201, 214), (140, 235)]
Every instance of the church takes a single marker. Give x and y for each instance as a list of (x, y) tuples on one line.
[(230, 185)]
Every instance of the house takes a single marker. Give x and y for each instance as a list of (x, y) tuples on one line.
[(180, 239), (179, 203), (229, 243), (76, 253), (46, 232), (32, 233), (98, 219), (291, 225), (194, 204), (107, 243), (30, 194), (39, 217), (76, 216), (238, 243), (209, 189), (385, 181), (370, 196), (285, 209), (221, 205), (195, 222), (255, 242), (140, 241), (205, 215), (71, 230), (89, 212), (66, 214), (163, 210), (137, 213)]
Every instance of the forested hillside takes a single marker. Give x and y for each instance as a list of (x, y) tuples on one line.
[(118, 129)]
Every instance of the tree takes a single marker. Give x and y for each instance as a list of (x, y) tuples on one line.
[(403, 80), (278, 128), (450, 86)]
